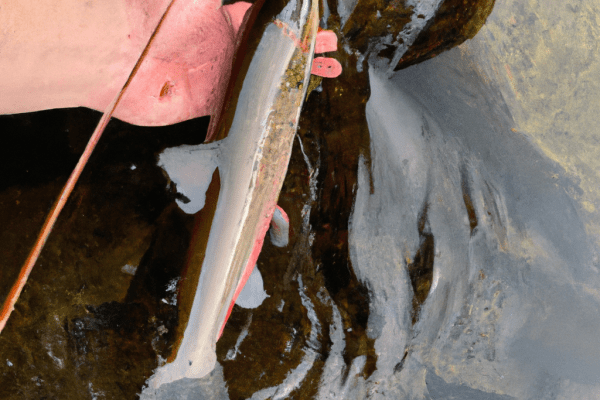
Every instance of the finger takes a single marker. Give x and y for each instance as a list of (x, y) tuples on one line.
[(235, 13), (326, 67), (326, 41)]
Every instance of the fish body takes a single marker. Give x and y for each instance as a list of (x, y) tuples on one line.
[(250, 164)]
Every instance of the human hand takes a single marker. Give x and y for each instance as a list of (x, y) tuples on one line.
[(71, 54), (185, 72)]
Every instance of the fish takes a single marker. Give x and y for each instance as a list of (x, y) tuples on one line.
[(241, 174)]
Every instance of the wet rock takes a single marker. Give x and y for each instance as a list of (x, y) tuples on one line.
[(395, 34)]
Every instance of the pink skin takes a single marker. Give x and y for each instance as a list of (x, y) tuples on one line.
[(326, 41), (326, 67), (69, 53), (187, 69)]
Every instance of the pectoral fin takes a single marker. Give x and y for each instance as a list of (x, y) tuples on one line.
[(191, 169), (280, 228), (253, 292)]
